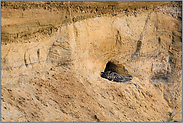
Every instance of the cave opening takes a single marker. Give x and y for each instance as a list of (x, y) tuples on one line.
[(110, 67), (116, 72), (115, 67)]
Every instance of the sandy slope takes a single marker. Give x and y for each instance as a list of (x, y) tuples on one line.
[(52, 55)]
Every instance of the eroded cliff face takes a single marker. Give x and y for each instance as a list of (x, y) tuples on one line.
[(54, 74)]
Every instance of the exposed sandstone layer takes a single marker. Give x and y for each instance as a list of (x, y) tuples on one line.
[(51, 63)]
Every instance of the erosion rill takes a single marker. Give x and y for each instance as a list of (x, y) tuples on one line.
[(53, 53)]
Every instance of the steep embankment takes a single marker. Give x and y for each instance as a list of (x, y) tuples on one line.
[(51, 64)]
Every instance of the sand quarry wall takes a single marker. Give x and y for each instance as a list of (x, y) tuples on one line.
[(55, 75)]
